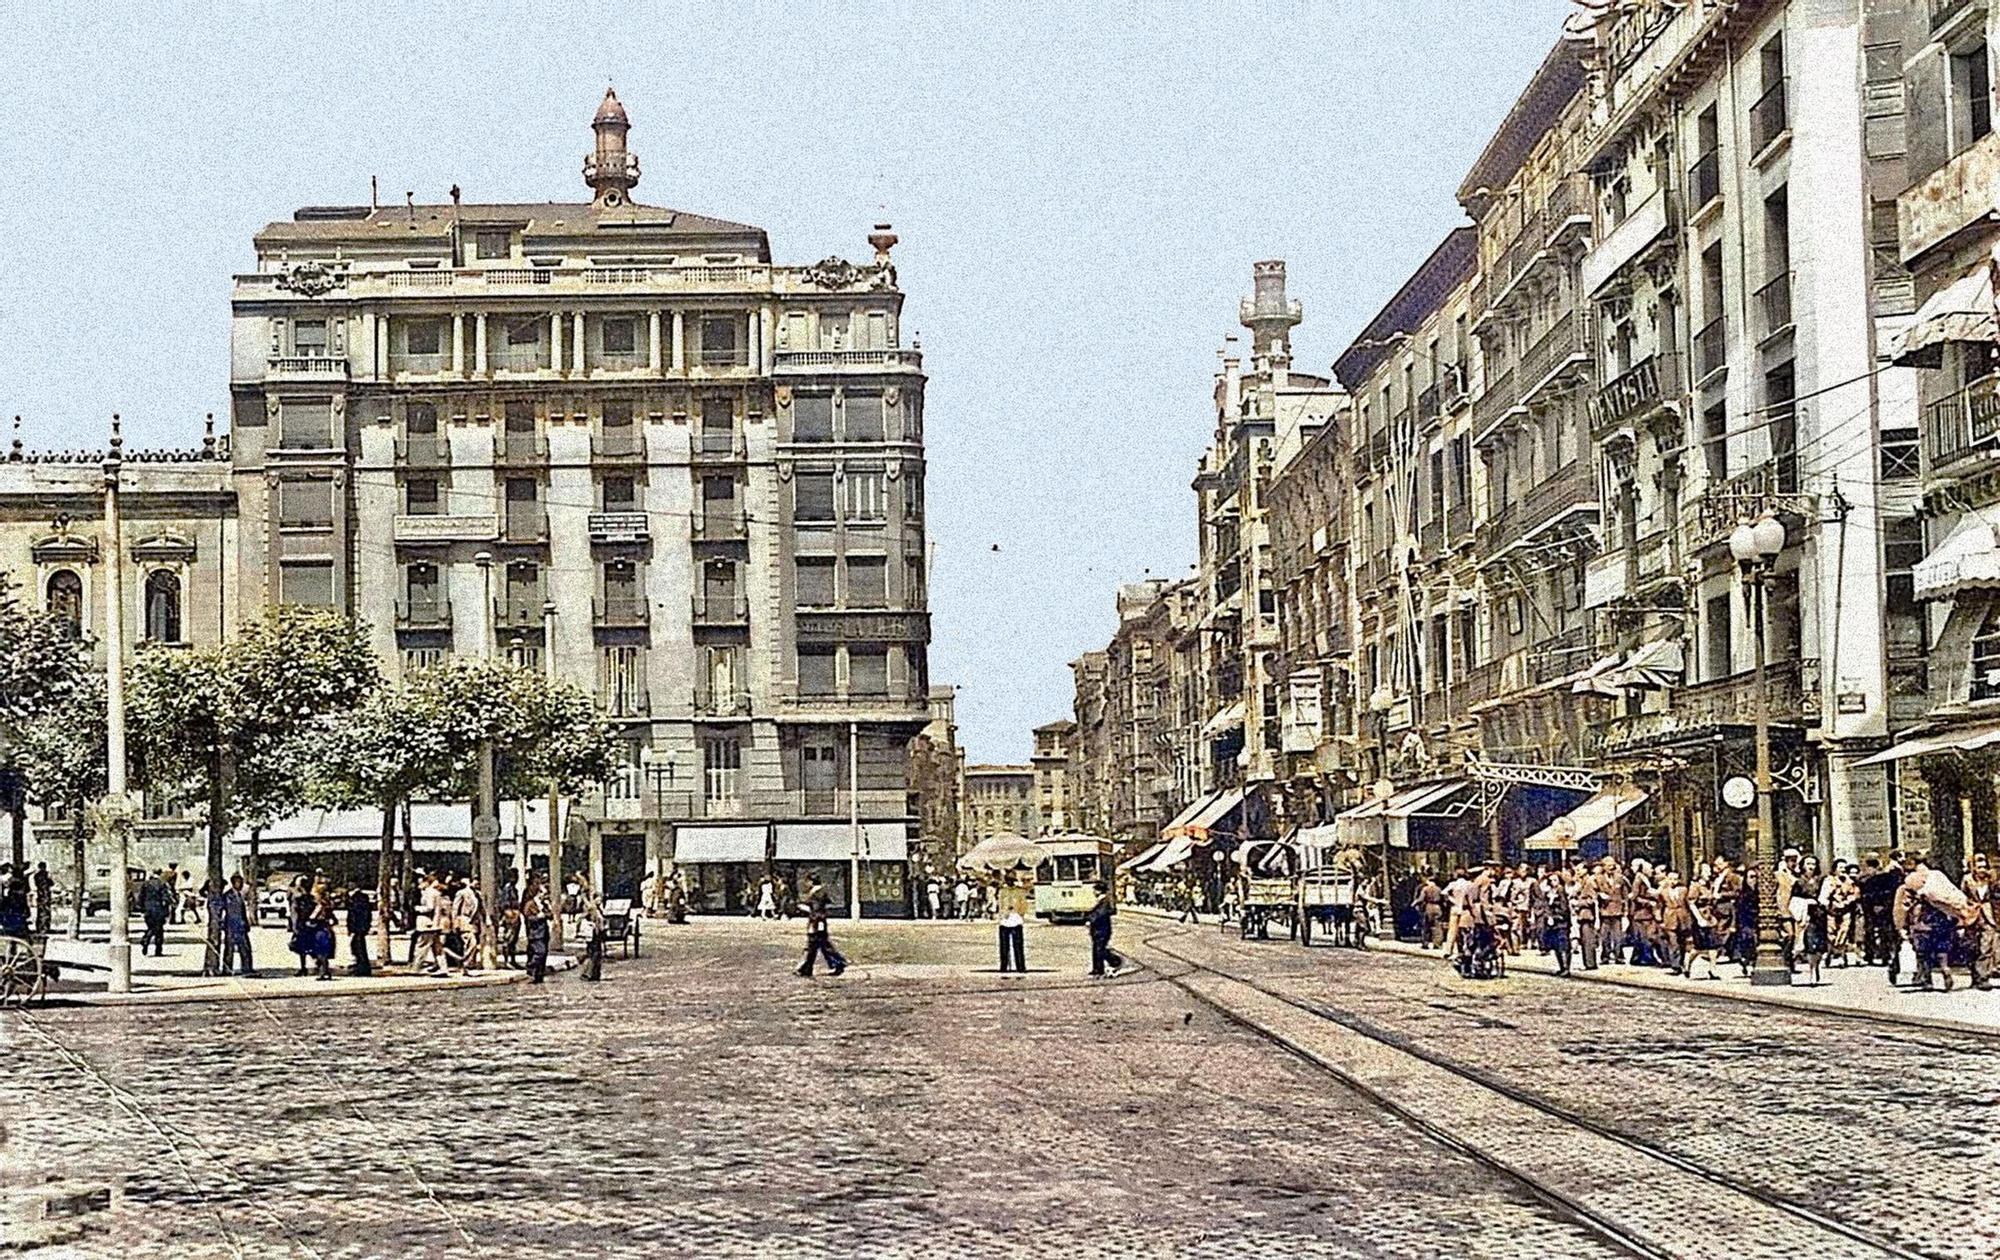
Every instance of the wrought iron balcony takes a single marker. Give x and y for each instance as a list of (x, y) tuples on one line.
[(1646, 385), (620, 612), (1704, 182), (423, 450), (722, 525), (711, 702), (433, 613), (1711, 348), (1943, 11), (1701, 709), (519, 448), (1769, 117), (716, 447), (1775, 301), (618, 444), (721, 610), (1963, 424)]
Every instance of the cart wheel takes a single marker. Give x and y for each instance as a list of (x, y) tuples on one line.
[(21, 978)]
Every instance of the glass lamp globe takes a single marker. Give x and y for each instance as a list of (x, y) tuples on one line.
[(1770, 537), (1743, 543)]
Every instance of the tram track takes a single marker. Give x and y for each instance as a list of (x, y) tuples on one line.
[(1852, 1240)]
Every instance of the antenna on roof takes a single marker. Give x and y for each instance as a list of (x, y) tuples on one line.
[(374, 194), (410, 200)]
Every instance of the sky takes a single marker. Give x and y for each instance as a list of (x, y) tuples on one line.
[(1080, 192)]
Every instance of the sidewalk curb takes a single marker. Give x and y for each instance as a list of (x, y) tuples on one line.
[(233, 990), (1641, 980)]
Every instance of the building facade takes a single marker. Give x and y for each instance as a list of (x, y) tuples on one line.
[(1054, 761), (1498, 558), (999, 801), (604, 438)]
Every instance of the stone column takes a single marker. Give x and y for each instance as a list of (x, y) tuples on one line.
[(653, 342), (680, 344), (555, 342), (458, 345), (768, 323), (382, 347), (576, 345), (479, 343), (755, 357)]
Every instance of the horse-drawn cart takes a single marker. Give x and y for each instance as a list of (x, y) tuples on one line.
[(25, 972)]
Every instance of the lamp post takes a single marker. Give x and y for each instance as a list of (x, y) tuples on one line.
[(1756, 545), (555, 794), (486, 810), (1379, 704), (115, 812)]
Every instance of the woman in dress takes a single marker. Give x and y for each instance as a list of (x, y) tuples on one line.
[(319, 923), (1842, 895), (300, 920), (1677, 920)]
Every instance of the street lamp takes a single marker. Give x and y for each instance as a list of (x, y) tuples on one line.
[(486, 810), (555, 795), (1756, 545), (1379, 704)]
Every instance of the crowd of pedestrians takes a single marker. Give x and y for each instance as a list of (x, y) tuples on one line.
[(1589, 914)]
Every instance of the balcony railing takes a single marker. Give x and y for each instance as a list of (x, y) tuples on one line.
[(523, 359), (1711, 348), (423, 450), (722, 525), (518, 612), (1963, 423), (717, 447), (625, 702), (1746, 496), (1499, 398), (1559, 342), (618, 612), (721, 610), (1651, 381), (1701, 708), (621, 361), (1775, 301), (423, 614), (514, 447), (418, 364), (1768, 117), (1704, 182), (1570, 487), (859, 360), (711, 702), (324, 367), (620, 442), (525, 524)]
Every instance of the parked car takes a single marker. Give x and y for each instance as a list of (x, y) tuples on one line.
[(97, 890), (274, 901)]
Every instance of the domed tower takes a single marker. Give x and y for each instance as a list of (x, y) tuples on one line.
[(1269, 316), (610, 170)]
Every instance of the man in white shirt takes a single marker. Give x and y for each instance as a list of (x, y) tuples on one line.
[(1456, 895), (429, 932)]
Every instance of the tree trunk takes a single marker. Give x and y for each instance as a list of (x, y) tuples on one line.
[(17, 821), (385, 881), (79, 869), (220, 769), (409, 854)]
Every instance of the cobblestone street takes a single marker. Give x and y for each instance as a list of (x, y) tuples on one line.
[(703, 1099)]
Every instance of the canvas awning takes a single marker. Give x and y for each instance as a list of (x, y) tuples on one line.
[(1212, 814), (1651, 667), (434, 825), (1587, 819), (713, 842), (1171, 854), (1961, 311), (1148, 854), (1363, 824), (1968, 559), (1226, 719), (1187, 815), (837, 841), (1592, 680), (1964, 739)]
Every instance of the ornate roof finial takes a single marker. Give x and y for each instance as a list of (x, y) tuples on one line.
[(14, 453), (208, 436), (884, 239), (117, 435), (610, 171)]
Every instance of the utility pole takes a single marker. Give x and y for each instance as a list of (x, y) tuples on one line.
[(114, 817), (555, 794), (854, 819), (486, 810)]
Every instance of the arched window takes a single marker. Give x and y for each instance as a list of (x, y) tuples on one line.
[(63, 597), (163, 606)]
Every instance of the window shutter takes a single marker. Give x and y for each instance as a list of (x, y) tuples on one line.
[(1925, 89)]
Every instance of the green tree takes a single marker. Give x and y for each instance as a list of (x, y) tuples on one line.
[(59, 756), (421, 741), (44, 668), (234, 724)]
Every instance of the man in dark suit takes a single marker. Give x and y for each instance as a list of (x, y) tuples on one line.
[(1099, 922), (156, 902), (819, 937), (360, 919)]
